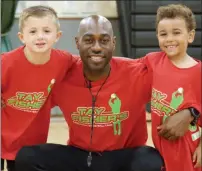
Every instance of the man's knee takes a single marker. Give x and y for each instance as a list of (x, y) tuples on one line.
[(146, 158), (25, 157)]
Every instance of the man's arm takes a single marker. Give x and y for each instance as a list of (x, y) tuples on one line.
[(176, 126)]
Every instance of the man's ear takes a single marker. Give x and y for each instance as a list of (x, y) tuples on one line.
[(77, 42)]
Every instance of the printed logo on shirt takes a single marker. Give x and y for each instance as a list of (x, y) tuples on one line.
[(165, 108), (161, 106), (51, 85), (29, 101), (102, 118)]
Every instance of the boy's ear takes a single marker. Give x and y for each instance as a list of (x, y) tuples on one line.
[(191, 36), (21, 37), (59, 34)]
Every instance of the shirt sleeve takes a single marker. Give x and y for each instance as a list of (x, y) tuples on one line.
[(148, 85), (148, 76), (68, 65), (197, 86), (141, 69), (194, 95), (4, 72), (147, 60)]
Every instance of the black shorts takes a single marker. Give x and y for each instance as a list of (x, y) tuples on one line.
[(54, 157)]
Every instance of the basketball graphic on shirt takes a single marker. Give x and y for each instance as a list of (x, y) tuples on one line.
[(180, 90), (113, 96), (105, 116), (50, 85), (115, 104), (177, 98), (53, 81)]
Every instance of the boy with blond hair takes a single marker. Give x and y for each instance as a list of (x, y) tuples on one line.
[(28, 76), (176, 86)]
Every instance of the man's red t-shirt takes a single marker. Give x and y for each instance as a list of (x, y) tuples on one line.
[(119, 119), (174, 89), (25, 88)]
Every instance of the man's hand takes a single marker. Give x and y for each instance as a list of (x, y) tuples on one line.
[(197, 157), (176, 126)]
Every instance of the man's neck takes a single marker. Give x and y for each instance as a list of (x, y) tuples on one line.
[(97, 75)]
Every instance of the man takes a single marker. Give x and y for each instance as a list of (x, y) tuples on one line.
[(103, 100)]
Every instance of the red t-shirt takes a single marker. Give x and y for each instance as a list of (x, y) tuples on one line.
[(119, 120), (174, 89), (25, 88)]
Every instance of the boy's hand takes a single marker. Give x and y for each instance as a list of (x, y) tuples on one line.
[(197, 157)]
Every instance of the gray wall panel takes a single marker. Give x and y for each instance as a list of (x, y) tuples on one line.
[(147, 7), (148, 38), (147, 22)]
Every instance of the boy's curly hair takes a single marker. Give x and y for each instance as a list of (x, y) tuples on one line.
[(176, 11)]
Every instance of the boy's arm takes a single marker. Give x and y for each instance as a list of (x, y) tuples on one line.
[(4, 76), (178, 124), (145, 75), (148, 59), (195, 96), (197, 157), (4, 71), (198, 91), (148, 77), (69, 63)]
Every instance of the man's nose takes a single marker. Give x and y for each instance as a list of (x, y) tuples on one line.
[(96, 48)]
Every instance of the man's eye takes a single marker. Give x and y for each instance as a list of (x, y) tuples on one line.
[(104, 40), (88, 40)]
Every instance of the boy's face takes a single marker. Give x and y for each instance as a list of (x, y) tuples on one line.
[(39, 34), (174, 37)]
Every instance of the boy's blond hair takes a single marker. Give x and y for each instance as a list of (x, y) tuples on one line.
[(37, 11), (176, 11)]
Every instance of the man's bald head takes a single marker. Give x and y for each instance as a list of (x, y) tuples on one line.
[(95, 24), (96, 43)]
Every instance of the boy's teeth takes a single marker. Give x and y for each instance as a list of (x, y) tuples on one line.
[(171, 46)]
